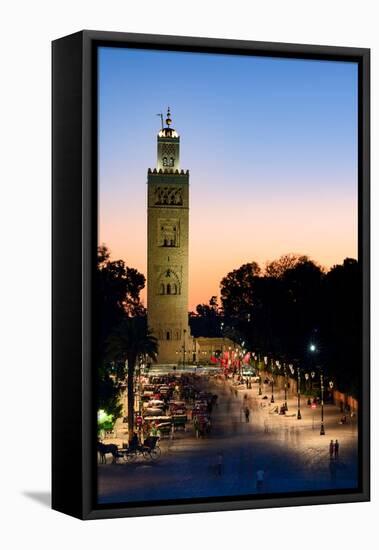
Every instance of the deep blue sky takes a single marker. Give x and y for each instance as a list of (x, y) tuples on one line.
[(271, 145)]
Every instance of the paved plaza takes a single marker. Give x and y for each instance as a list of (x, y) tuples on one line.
[(291, 452)]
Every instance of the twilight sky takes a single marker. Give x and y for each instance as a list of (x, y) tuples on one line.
[(271, 145)]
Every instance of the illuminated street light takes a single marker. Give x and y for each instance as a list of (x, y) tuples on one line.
[(322, 429), (298, 394), (265, 359), (285, 386), (260, 377), (306, 376), (272, 382)]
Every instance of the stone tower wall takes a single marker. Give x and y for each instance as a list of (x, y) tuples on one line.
[(167, 274)]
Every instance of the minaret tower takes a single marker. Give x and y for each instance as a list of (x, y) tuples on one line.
[(167, 249)]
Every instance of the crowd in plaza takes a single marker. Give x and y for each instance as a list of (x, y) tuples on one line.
[(176, 408)]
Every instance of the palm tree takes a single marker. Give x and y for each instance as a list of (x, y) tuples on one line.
[(132, 338)]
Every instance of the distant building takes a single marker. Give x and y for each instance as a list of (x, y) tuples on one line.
[(206, 349)]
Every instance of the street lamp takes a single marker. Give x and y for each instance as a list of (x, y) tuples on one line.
[(292, 369), (260, 377), (313, 374), (285, 386), (298, 394), (322, 429), (313, 349), (272, 378), (249, 371), (306, 376)]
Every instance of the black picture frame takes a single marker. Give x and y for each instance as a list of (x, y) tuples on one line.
[(74, 205)]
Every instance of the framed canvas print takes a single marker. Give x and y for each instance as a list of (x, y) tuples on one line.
[(210, 274)]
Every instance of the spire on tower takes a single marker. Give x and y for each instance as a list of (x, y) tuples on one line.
[(168, 119), (168, 131)]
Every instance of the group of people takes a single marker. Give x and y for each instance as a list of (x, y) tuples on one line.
[(334, 449)]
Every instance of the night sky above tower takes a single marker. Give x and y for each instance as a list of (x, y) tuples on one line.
[(271, 145)]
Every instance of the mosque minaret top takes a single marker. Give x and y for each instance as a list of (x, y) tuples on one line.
[(167, 131)]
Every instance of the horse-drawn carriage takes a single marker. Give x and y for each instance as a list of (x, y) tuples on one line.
[(179, 421), (149, 450), (104, 449), (164, 428)]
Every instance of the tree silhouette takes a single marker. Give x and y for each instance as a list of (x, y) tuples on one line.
[(278, 267), (207, 319), (237, 290), (130, 339), (118, 296), (294, 303), (341, 322)]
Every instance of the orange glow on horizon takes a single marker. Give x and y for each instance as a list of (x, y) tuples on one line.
[(323, 227)]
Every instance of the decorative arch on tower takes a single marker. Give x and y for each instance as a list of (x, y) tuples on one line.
[(168, 283)]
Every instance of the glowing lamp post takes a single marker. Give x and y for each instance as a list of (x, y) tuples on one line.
[(306, 376), (313, 374), (322, 429), (298, 394), (313, 350), (331, 386), (285, 386), (272, 379), (260, 377)]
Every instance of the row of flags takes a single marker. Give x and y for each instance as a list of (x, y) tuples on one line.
[(231, 358)]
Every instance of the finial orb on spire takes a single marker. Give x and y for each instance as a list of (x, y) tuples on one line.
[(168, 119)]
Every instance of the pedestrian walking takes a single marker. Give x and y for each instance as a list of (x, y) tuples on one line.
[(331, 449), (336, 449), (247, 414), (260, 476)]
